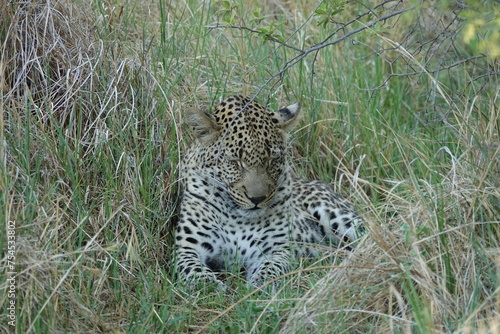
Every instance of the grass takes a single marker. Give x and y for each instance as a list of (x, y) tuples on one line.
[(92, 133)]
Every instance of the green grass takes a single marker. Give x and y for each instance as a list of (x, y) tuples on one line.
[(89, 166)]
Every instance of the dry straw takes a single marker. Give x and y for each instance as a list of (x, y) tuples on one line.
[(60, 87)]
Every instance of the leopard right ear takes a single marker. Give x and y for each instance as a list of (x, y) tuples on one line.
[(287, 117), (205, 128)]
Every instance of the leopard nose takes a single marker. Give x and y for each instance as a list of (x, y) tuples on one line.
[(257, 200)]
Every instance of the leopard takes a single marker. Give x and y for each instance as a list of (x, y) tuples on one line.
[(241, 209)]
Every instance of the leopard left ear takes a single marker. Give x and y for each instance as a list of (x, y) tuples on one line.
[(204, 126), (287, 117)]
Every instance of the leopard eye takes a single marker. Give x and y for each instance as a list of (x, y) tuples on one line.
[(235, 162), (276, 153), (276, 160), (276, 157)]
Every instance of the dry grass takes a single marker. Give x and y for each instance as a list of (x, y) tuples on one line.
[(90, 119), (422, 252), (419, 268), (67, 99)]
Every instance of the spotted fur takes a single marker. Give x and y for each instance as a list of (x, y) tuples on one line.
[(240, 205)]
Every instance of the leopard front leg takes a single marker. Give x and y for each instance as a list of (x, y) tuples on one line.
[(270, 267), (196, 241), (191, 271)]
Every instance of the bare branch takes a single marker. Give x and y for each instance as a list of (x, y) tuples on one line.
[(221, 26), (432, 35), (316, 47)]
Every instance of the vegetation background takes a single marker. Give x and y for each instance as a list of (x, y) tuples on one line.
[(401, 104)]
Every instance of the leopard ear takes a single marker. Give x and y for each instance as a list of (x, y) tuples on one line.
[(287, 117), (205, 128)]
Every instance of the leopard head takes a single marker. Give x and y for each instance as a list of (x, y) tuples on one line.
[(244, 146)]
